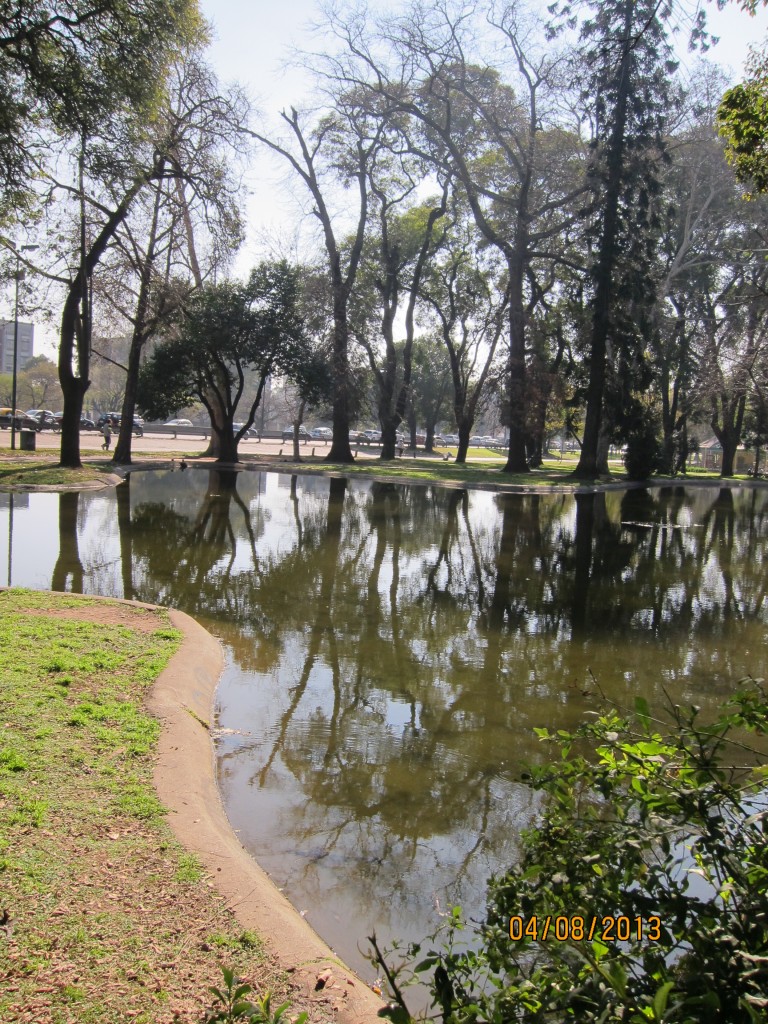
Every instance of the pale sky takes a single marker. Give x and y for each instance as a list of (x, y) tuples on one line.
[(252, 45)]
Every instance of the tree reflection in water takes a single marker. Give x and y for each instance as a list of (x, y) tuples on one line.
[(68, 571), (392, 648)]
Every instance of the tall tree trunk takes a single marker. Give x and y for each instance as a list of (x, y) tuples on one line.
[(75, 329), (590, 463), (517, 460), (340, 450), (298, 420), (727, 429), (122, 455), (465, 429), (216, 413)]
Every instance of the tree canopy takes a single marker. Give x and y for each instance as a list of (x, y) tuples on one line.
[(221, 333), (72, 66)]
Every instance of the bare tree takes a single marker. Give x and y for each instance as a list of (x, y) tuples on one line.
[(485, 133), (469, 299), (191, 220), (332, 157)]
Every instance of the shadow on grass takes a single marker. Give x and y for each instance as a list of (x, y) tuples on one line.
[(50, 474)]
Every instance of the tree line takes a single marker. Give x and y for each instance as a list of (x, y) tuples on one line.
[(535, 203)]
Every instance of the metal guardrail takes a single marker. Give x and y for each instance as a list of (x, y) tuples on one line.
[(204, 432), (176, 431)]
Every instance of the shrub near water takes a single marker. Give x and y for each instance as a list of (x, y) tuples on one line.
[(642, 895)]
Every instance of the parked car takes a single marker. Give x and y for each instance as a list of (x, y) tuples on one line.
[(450, 439), (86, 423), (179, 423), (19, 419), (250, 432), (321, 434), (372, 436), (304, 434), (113, 418), (45, 418)]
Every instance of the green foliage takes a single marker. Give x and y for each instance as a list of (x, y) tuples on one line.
[(232, 1004), (641, 896), (643, 454), (742, 120), (224, 332), (189, 870), (12, 761), (79, 66)]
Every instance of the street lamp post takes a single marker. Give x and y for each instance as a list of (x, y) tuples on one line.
[(19, 251)]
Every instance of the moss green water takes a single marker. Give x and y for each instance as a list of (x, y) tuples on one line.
[(391, 650)]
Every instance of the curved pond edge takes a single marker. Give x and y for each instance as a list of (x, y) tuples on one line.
[(185, 780)]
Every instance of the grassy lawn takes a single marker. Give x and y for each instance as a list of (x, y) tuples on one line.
[(484, 468), (47, 474), (103, 916)]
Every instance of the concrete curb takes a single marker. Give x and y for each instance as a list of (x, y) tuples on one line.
[(182, 699)]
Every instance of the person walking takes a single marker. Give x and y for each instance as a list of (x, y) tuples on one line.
[(106, 431)]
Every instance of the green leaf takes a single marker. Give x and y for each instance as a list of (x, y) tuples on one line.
[(661, 999), (396, 1014), (643, 711)]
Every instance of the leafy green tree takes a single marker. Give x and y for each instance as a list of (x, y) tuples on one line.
[(743, 123), (627, 67), (431, 390), (38, 384), (70, 67), (743, 118), (223, 333)]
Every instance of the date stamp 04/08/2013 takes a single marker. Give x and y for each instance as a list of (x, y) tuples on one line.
[(584, 929)]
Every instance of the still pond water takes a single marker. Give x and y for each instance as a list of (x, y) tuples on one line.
[(390, 651)]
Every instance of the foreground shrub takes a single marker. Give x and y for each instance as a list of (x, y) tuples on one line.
[(641, 896), (643, 456)]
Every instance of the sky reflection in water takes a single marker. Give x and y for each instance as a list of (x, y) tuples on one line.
[(390, 651)]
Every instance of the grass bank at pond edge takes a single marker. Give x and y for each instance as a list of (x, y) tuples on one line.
[(39, 471), (481, 474), (103, 916), (45, 474)]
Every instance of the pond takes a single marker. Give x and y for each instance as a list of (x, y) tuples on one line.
[(391, 649)]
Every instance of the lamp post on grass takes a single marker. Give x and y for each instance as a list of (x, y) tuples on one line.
[(19, 251)]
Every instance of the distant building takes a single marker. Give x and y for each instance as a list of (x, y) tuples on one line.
[(710, 456), (26, 345)]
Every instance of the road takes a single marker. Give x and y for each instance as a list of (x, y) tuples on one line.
[(150, 444)]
